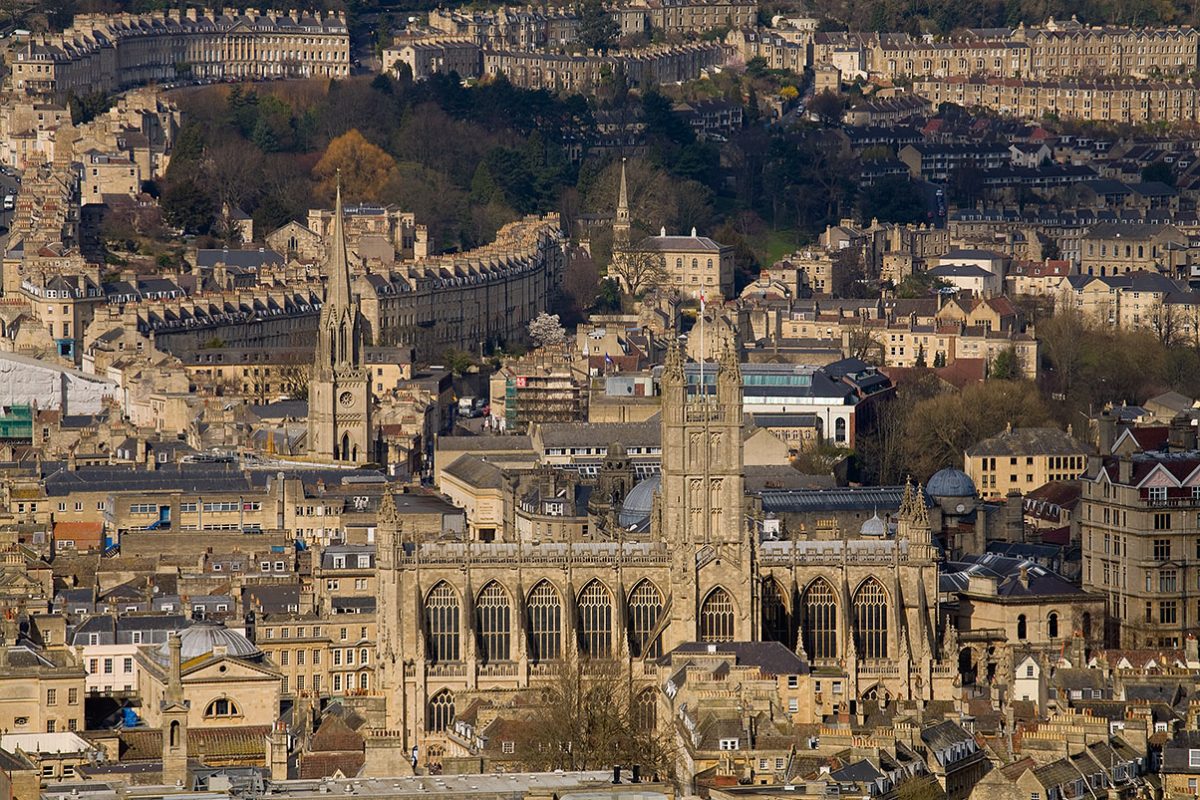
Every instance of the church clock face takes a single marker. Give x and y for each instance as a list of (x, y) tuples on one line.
[(346, 399)]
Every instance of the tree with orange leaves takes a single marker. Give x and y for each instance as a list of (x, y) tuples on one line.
[(366, 170)]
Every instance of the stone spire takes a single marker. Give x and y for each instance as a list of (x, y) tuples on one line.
[(338, 295), (621, 224)]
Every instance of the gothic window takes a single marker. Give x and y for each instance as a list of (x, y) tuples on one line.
[(441, 711), (645, 711), (776, 622), (870, 619), (820, 621), (1021, 627), (716, 617), (645, 606), (442, 623), (1052, 625), (595, 621), (545, 623), (493, 614)]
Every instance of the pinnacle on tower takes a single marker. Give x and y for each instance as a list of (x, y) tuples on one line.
[(673, 362)]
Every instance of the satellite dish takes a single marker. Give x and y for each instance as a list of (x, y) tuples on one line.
[(960, 508)]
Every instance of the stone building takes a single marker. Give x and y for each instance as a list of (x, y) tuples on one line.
[(644, 68), (105, 53), (1114, 100), (430, 55), (1022, 459), (459, 616), (1137, 526), (339, 392)]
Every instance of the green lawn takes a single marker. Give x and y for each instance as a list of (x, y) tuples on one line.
[(775, 245)]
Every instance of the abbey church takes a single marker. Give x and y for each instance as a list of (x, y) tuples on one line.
[(460, 619)]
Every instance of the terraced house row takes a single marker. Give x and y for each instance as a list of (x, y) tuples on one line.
[(1117, 101), (1044, 52), (103, 53)]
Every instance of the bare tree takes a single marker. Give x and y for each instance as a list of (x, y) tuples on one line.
[(591, 716), (638, 270), (1167, 322), (863, 342)]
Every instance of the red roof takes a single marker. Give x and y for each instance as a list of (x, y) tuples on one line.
[(83, 534)]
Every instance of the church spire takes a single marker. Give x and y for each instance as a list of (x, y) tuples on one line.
[(621, 225), (338, 295)]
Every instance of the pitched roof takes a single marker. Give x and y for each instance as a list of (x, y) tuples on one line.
[(1029, 441)]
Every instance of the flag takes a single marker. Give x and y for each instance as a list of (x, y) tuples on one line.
[(608, 362), (702, 304)]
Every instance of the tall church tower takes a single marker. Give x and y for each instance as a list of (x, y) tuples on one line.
[(339, 392), (701, 514), (622, 226)]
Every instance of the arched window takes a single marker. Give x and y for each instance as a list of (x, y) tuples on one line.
[(493, 616), (441, 711), (716, 617), (645, 605), (174, 737), (645, 710), (595, 621), (363, 681), (544, 617), (820, 621), (221, 707), (442, 623), (870, 620), (776, 622), (839, 427), (1087, 625), (1052, 625), (1021, 627)]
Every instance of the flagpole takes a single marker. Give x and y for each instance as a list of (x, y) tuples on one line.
[(703, 388)]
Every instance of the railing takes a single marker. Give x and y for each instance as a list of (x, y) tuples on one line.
[(500, 670), (453, 670)]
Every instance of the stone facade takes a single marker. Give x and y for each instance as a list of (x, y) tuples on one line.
[(1047, 52), (1138, 538), (460, 618), (429, 55), (339, 391), (104, 53), (1102, 101), (644, 68)]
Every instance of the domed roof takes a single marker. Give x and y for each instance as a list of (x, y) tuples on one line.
[(874, 526), (202, 638), (639, 502), (950, 482)]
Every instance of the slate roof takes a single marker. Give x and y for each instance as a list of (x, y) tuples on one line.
[(1029, 441), (945, 734), (247, 259), (772, 658), (865, 498), (586, 434), (474, 471)]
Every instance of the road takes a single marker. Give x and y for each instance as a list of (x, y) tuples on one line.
[(8, 185)]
